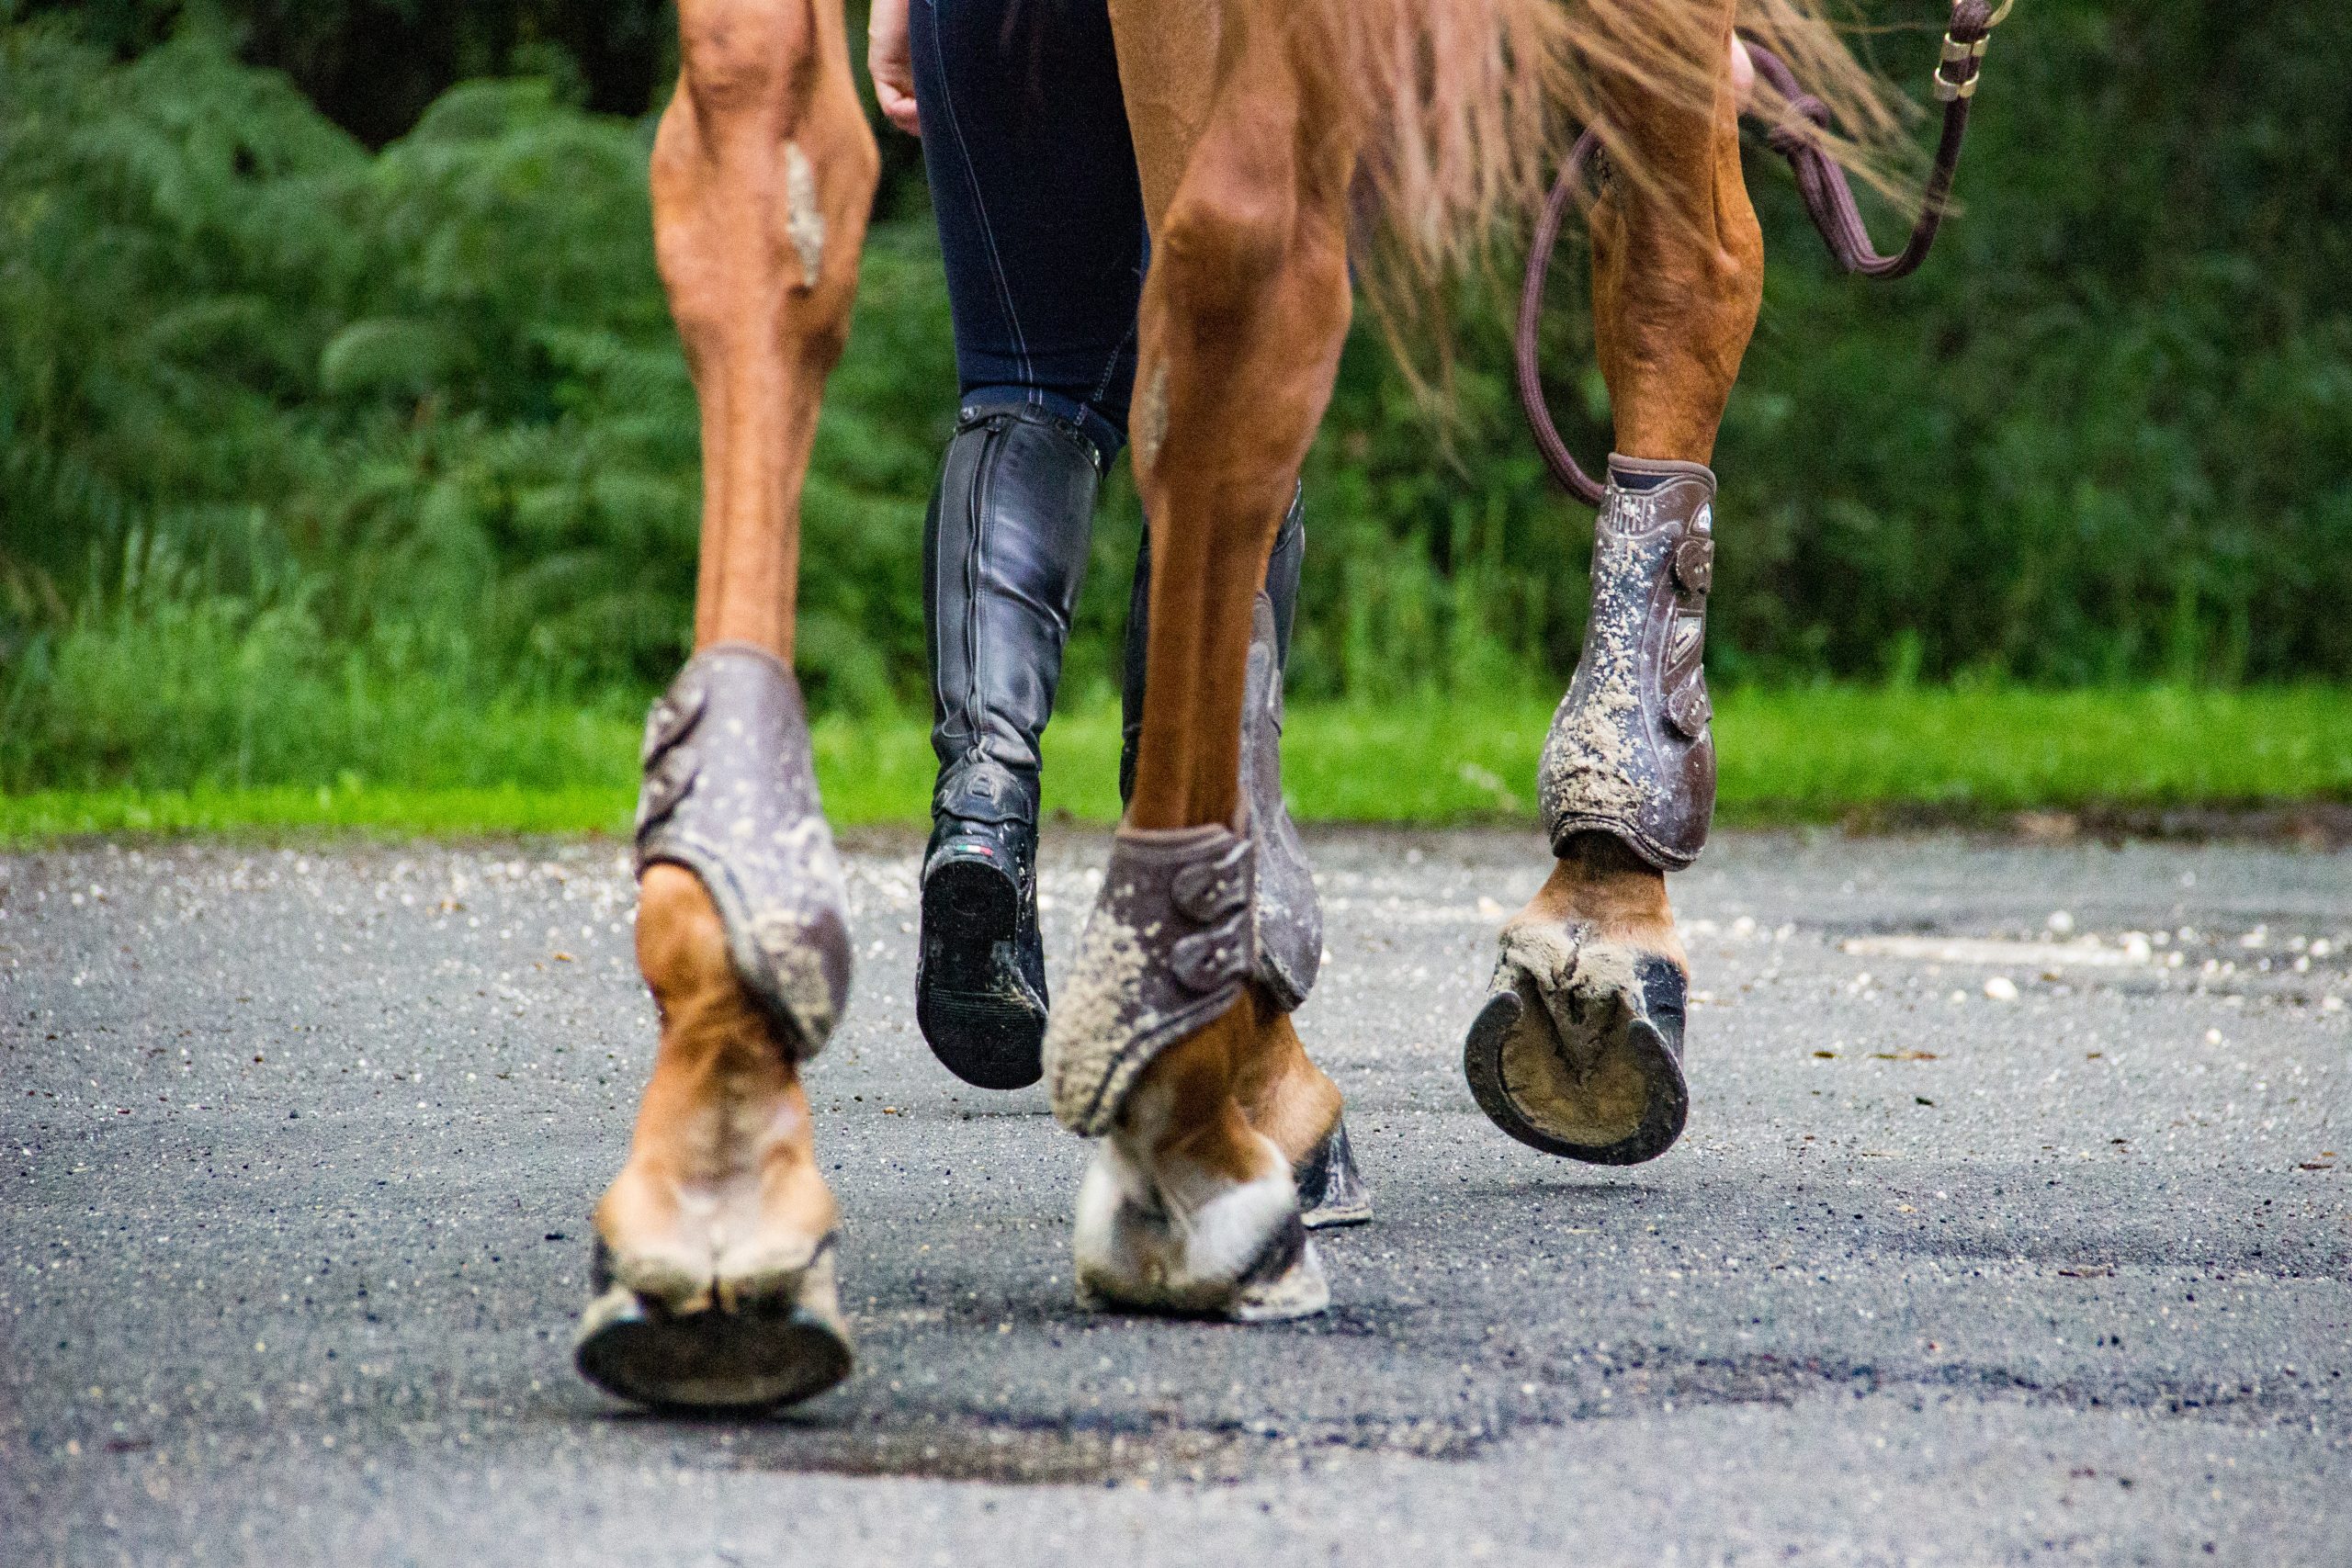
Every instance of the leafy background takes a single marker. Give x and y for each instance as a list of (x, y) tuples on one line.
[(342, 425)]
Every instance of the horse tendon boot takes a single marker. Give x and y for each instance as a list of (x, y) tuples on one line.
[(731, 795), (1289, 917), (1172, 941), (1577, 1050)]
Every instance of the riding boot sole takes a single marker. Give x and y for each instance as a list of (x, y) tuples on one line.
[(760, 1353), (1594, 1074), (976, 1012)]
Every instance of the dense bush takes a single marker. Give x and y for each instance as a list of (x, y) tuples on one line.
[(284, 422)]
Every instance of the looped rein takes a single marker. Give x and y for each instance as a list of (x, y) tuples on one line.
[(1829, 201)]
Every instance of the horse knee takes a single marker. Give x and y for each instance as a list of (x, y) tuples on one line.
[(762, 172), (1737, 266), (1225, 237), (738, 54)]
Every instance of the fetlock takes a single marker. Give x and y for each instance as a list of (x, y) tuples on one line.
[(1281, 1090), (1293, 1102)]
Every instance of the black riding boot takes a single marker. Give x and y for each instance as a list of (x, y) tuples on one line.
[(1006, 545)]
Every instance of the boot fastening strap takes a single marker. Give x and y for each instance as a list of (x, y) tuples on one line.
[(1286, 914), (1166, 950)]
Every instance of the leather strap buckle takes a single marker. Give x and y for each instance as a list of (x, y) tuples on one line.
[(1209, 959), (1688, 709), (1210, 890), (666, 784)]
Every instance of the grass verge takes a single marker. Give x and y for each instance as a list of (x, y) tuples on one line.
[(1808, 754)]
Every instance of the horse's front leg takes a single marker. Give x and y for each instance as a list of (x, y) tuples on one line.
[(714, 1259), (1579, 1048), (1172, 1042)]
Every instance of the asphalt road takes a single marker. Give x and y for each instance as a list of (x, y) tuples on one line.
[(2000, 1232)]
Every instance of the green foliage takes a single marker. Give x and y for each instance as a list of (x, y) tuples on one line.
[(373, 65), (300, 444), (419, 416)]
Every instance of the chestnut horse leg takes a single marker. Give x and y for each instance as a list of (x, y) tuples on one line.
[(764, 169), (1189, 1203), (1167, 67), (1677, 278)]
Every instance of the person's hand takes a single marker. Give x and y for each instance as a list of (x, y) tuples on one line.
[(1742, 69), (892, 64)]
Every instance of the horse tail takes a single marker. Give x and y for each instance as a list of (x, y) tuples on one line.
[(1462, 109)]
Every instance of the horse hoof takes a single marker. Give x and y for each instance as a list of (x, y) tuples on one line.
[(762, 1346), (1577, 1051), (1331, 1190), (1242, 1256), (1290, 1289)]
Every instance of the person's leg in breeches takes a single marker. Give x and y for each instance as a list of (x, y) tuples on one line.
[(1043, 230), (1041, 226)]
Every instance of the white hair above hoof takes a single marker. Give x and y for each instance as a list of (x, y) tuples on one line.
[(1179, 1239)]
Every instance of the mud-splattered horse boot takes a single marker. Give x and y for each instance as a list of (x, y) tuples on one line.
[(1577, 1050), (731, 795), (1288, 915)]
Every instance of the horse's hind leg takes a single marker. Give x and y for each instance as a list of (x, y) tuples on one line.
[(1282, 1091), (713, 1267), (1577, 1050), (1169, 1040)]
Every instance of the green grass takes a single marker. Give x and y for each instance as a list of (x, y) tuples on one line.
[(1810, 754)]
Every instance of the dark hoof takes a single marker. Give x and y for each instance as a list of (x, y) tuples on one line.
[(761, 1354), (1331, 1190), (1586, 1064), (981, 1015)]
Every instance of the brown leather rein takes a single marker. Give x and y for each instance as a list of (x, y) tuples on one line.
[(1829, 201)]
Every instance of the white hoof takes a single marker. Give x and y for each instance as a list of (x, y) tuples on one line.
[(1193, 1243)]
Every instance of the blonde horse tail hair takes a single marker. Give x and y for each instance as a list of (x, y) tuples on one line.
[(1461, 111)]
